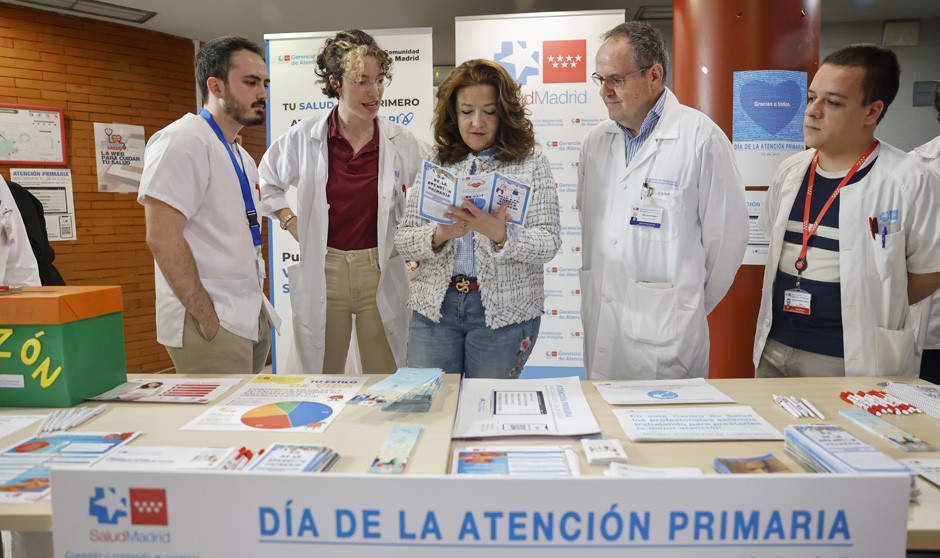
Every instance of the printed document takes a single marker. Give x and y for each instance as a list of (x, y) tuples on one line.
[(281, 402), (532, 407), (695, 424), (660, 392), (164, 390)]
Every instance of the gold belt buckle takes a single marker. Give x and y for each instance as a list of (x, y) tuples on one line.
[(463, 285)]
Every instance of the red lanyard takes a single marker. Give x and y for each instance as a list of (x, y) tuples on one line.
[(807, 231)]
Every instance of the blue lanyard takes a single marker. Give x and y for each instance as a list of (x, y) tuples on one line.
[(250, 212)]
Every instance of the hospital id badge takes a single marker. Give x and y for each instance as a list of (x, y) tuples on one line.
[(259, 262), (647, 216), (797, 301)]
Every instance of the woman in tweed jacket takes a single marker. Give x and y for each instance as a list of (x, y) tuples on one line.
[(478, 297)]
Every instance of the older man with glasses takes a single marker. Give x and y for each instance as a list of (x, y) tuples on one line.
[(663, 219)]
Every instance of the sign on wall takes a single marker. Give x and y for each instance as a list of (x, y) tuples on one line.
[(119, 155), (296, 95), (551, 55), (32, 135), (767, 127), (53, 189)]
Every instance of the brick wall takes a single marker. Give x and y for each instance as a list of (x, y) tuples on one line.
[(103, 72)]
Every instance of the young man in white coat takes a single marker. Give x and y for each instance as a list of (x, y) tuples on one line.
[(929, 154), (663, 219), (350, 168), (202, 225), (854, 234)]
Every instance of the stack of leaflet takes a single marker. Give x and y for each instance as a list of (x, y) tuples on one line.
[(828, 448), (419, 400), (407, 390), (294, 458), (927, 397)]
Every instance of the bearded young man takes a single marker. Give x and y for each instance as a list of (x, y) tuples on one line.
[(202, 227)]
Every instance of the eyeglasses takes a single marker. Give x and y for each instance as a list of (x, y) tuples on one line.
[(381, 82), (616, 81)]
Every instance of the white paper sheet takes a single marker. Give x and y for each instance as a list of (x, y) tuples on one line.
[(695, 423), (542, 406), (281, 402), (660, 392)]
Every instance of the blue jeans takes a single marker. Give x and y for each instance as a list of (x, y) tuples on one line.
[(462, 343)]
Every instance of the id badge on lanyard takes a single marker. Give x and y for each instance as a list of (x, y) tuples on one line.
[(797, 300), (252, 216)]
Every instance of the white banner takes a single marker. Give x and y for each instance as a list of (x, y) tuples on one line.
[(207, 515), (551, 55), (296, 95)]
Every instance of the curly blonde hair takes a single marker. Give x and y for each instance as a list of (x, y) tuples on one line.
[(515, 138), (342, 57)]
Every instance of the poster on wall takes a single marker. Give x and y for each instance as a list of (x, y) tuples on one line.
[(551, 56), (53, 188), (32, 135), (767, 125), (295, 95), (758, 243), (119, 155)]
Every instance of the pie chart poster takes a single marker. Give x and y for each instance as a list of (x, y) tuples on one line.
[(767, 122)]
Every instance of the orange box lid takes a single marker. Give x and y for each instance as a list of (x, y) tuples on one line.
[(58, 305)]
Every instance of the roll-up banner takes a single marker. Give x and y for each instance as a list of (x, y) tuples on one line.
[(551, 55)]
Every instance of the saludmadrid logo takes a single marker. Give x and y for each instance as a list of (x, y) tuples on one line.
[(116, 508)]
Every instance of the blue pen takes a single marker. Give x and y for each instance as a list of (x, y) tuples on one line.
[(884, 234)]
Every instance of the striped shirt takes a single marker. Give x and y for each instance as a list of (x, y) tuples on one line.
[(633, 144), (464, 263), (821, 331)]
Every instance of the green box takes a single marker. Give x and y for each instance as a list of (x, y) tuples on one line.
[(59, 364)]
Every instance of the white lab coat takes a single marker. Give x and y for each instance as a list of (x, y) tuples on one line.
[(647, 291), (300, 158), (929, 308), (18, 265), (877, 334)]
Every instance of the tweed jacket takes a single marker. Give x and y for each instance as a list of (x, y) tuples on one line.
[(511, 280)]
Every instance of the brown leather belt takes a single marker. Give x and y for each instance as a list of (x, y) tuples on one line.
[(464, 284)]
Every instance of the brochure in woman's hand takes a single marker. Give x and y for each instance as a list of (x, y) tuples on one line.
[(441, 188)]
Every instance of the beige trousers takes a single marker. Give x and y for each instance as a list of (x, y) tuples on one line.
[(352, 279), (227, 353), (781, 361)]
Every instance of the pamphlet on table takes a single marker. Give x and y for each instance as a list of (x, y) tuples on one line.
[(530, 407), (167, 458), (401, 385), (695, 424), (624, 470), (294, 458), (523, 461), (660, 392), (749, 465), (441, 188), (829, 448), (281, 402), (13, 423), (169, 390), (927, 468), (25, 467)]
